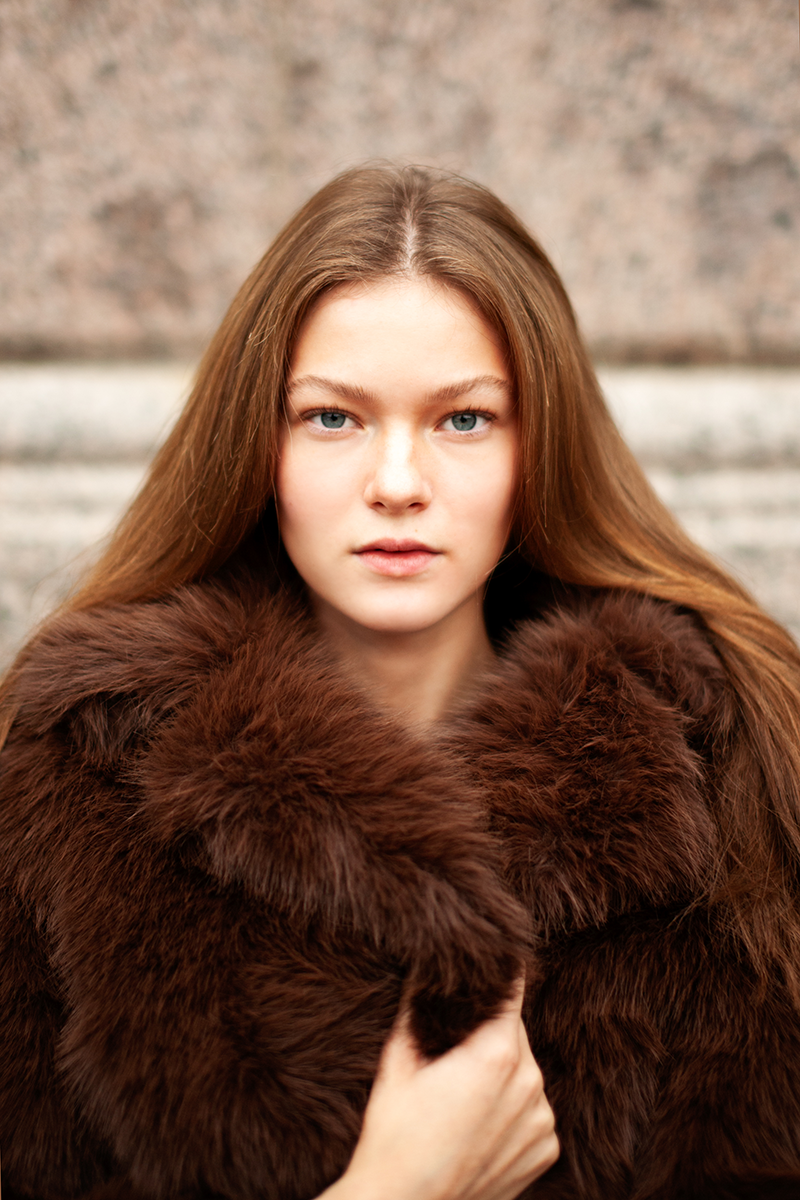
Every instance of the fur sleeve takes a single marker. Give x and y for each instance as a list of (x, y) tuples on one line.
[(49, 1149), (46, 1145)]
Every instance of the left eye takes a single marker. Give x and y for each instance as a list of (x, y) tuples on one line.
[(465, 422), (330, 420)]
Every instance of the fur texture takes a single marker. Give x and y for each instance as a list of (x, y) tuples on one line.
[(220, 869)]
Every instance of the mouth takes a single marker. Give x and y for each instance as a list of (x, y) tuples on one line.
[(397, 557)]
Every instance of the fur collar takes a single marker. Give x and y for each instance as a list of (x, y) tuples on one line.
[(227, 713)]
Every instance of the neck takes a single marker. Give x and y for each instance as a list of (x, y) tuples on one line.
[(418, 676)]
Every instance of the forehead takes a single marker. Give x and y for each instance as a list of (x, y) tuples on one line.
[(397, 326)]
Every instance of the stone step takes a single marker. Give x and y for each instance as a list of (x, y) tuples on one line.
[(74, 441), (87, 412), (682, 417), (688, 418)]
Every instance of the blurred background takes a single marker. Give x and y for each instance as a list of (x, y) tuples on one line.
[(150, 150)]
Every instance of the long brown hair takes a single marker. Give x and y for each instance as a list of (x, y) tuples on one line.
[(586, 512)]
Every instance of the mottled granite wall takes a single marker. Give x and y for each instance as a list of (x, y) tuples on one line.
[(151, 147)]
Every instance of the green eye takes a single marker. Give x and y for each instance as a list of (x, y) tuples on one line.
[(332, 420), (464, 422)]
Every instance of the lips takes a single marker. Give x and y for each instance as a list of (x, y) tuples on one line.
[(397, 557)]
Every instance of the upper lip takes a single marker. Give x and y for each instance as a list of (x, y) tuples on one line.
[(396, 546)]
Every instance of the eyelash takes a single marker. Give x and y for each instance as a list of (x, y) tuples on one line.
[(317, 412), (469, 412), (457, 412)]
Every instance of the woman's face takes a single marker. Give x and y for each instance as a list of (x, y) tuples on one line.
[(397, 470)]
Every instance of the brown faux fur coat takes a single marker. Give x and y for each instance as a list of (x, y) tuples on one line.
[(220, 867)]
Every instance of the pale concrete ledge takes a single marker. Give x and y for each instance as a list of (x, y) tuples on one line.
[(721, 446), (687, 417), (87, 412), (702, 417)]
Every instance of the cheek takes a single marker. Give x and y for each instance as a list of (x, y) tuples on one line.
[(310, 495), (296, 480), (294, 502), (483, 503)]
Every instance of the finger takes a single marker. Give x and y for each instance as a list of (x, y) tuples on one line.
[(400, 1058), (511, 1008), (525, 1051)]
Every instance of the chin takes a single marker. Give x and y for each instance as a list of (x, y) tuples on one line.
[(401, 618)]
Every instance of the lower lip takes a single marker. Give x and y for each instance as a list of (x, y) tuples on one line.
[(398, 562)]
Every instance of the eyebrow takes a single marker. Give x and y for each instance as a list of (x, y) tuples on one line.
[(449, 391)]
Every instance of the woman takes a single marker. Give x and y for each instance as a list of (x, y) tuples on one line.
[(293, 796)]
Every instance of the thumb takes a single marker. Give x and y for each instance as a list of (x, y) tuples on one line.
[(401, 1057), (511, 1008)]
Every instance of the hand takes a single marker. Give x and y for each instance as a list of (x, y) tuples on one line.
[(472, 1125)]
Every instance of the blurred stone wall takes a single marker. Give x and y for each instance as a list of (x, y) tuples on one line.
[(150, 148)]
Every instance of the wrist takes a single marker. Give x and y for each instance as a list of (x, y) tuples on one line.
[(347, 1187), (363, 1184)]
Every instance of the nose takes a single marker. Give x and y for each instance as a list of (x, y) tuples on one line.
[(397, 481)]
